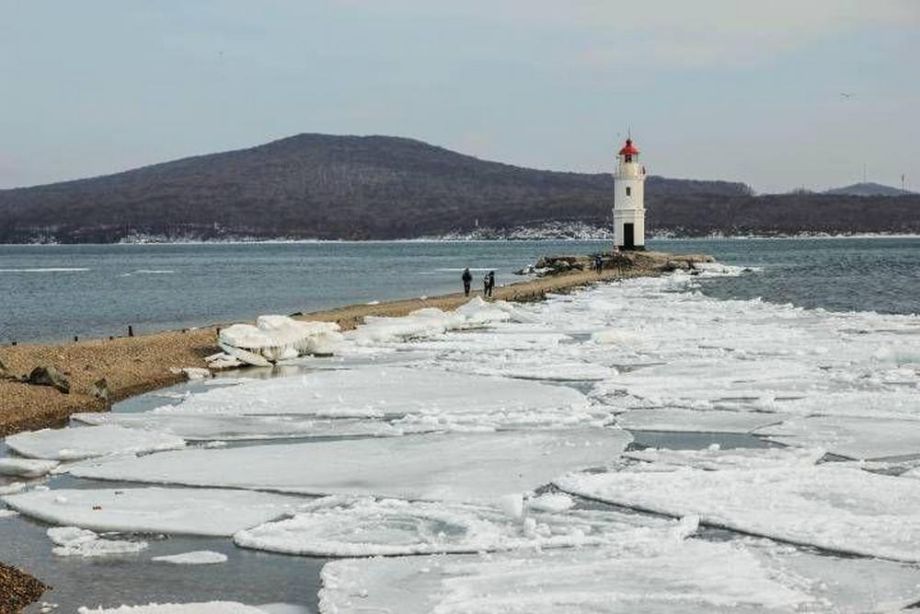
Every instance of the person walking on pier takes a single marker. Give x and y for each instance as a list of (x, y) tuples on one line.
[(467, 280)]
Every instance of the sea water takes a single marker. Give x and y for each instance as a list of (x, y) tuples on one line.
[(53, 293)]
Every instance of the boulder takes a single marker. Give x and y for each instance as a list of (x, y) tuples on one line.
[(100, 390), (49, 376)]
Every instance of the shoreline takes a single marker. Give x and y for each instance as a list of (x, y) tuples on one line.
[(458, 239), (134, 365)]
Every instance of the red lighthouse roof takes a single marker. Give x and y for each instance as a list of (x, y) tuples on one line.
[(629, 149)]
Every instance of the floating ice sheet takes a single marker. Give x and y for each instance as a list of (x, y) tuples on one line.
[(210, 607), (346, 527), (69, 444), (192, 511), (430, 321), (655, 576), (72, 541), (856, 438), (455, 467), (198, 557), (690, 421), (205, 427), (836, 508), (275, 338), (532, 367), (716, 459), (26, 467), (392, 391)]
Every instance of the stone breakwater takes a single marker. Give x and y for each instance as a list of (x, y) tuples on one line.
[(100, 372)]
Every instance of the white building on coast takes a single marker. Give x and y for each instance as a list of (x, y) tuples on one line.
[(629, 200)]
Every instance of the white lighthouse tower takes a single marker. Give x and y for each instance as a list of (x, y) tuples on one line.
[(629, 200)]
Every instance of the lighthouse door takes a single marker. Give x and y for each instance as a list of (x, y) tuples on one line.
[(629, 238)]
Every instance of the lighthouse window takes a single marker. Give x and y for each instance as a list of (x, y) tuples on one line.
[(629, 191)]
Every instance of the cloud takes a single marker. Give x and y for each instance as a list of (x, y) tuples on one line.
[(666, 33)]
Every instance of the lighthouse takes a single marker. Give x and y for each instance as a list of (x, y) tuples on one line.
[(629, 199)]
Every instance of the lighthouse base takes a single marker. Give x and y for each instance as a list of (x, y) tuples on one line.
[(629, 230)]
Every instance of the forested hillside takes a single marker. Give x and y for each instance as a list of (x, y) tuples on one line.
[(347, 187)]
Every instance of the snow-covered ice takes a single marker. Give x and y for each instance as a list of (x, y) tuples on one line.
[(73, 541), (26, 467), (647, 573), (856, 438), (429, 321), (275, 338), (197, 557), (210, 607), (228, 427), (839, 508), (690, 421), (455, 467), (348, 527), (192, 511), (551, 502), (450, 399), (70, 444), (715, 458)]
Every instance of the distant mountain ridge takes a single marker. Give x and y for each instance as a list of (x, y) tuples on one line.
[(314, 186), (869, 188)]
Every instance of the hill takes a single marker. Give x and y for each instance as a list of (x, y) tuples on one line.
[(869, 189), (348, 187)]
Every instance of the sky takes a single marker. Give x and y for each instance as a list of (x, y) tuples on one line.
[(782, 94)]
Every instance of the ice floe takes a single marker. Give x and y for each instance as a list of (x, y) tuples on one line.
[(70, 444), (191, 511), (275, 338), (72, 541), (456, 467), (198, 557), (430, 321), (210, 607), (714, 458), (533, 367), (690, 421), (855, 438), (828, 506), (347, 527), (644, 573), (551, 502), (26, 467), (429, 394), (223, 427)]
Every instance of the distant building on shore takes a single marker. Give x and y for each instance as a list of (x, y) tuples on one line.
[(629, 199)]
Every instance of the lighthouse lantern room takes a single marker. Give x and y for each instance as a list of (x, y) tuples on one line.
[(629, 200)]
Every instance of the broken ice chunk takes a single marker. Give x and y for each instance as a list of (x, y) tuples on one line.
[(69, 444)]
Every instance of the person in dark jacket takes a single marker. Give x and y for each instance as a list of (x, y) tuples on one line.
[(467, 280), (488, 283)]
